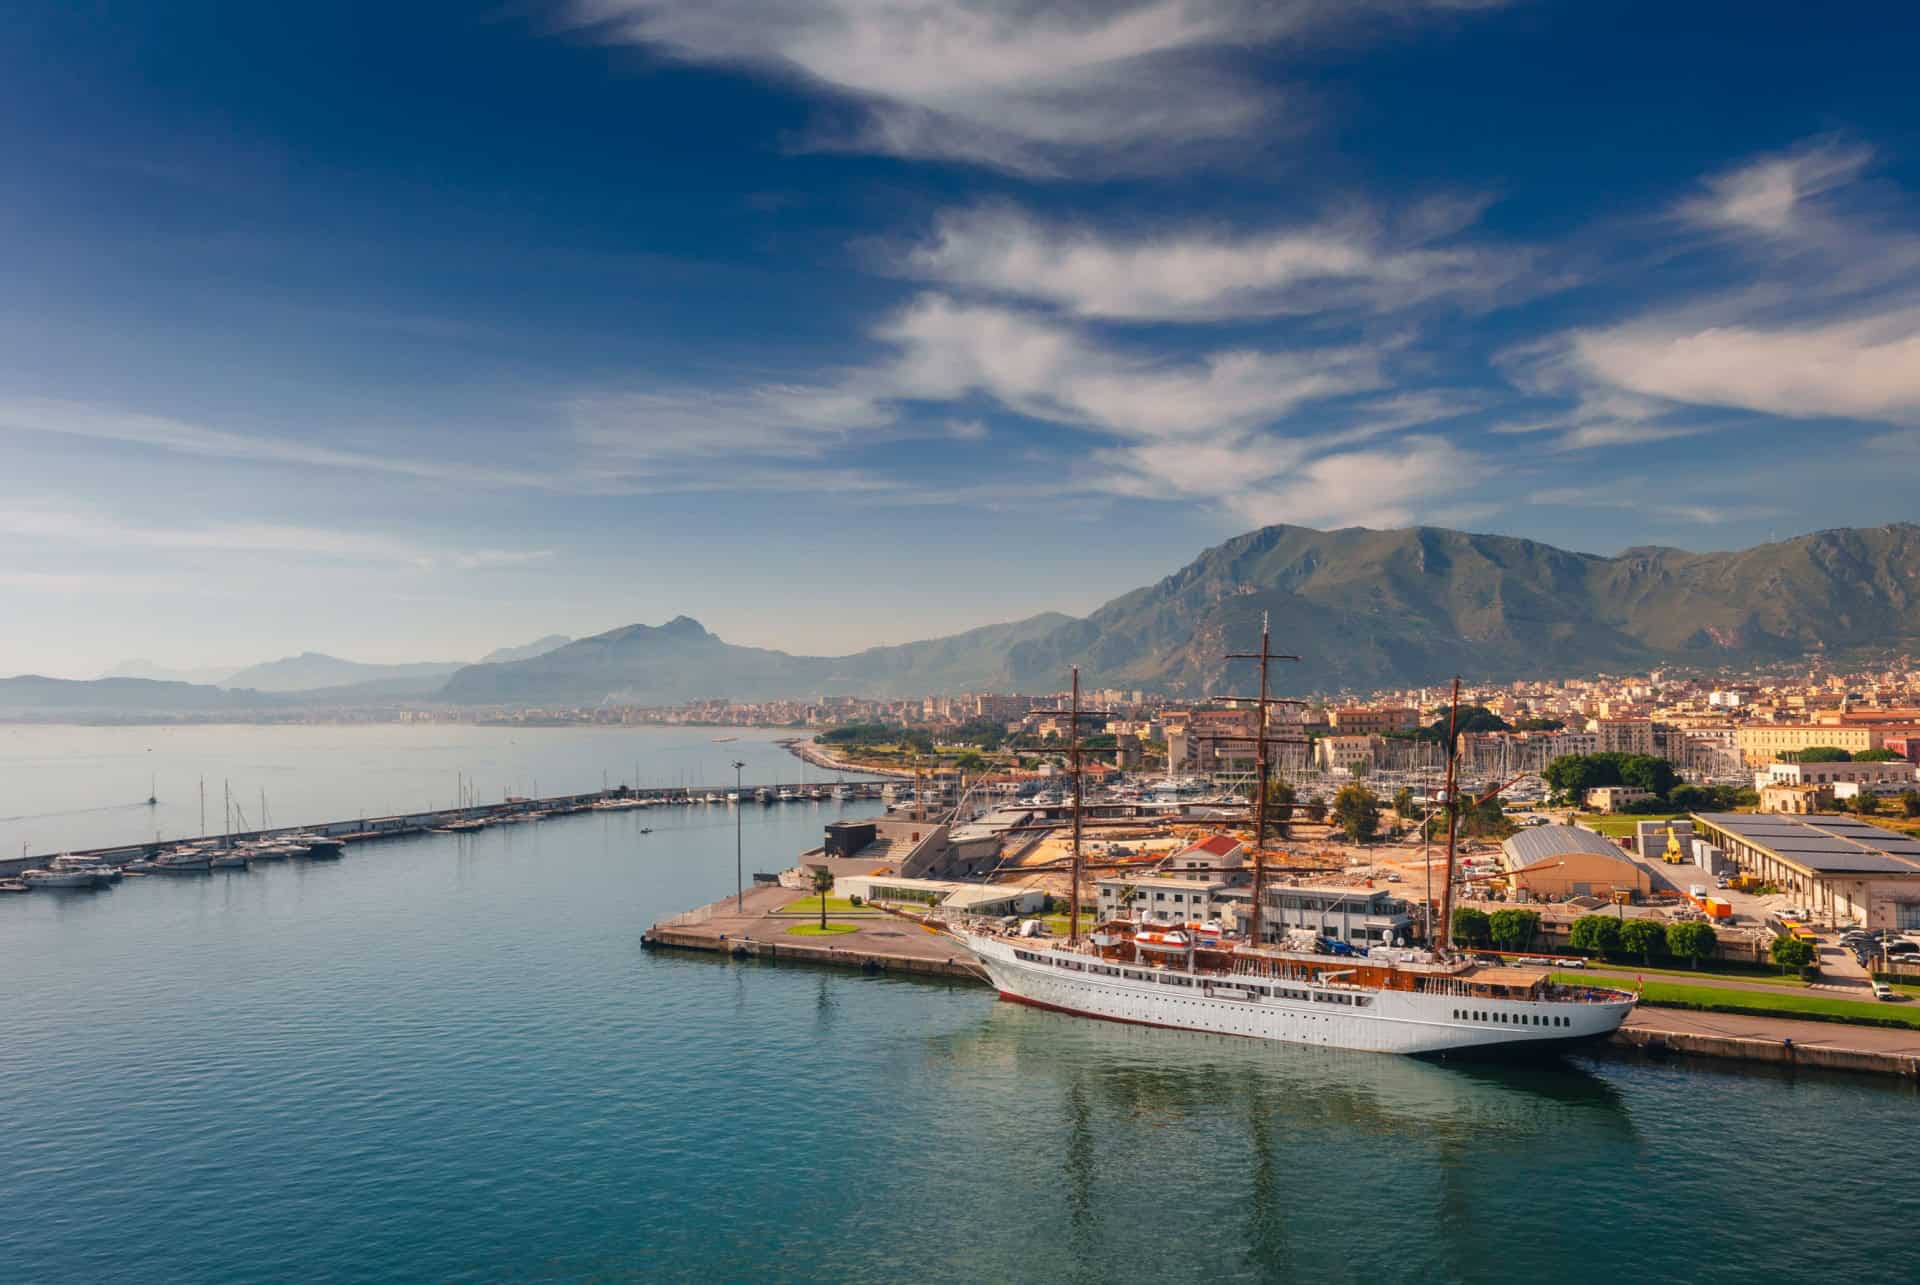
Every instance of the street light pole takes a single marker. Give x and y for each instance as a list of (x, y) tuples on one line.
[(739, 868)]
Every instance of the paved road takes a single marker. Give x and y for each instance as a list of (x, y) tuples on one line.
[(1904, 1041)]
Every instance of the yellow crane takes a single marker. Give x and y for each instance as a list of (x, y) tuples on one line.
[(1673, 855)]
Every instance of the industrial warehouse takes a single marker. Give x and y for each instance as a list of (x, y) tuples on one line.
[(1846, 869)]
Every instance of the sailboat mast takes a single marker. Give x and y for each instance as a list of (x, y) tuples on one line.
[(1073, 897), (1453, 819)]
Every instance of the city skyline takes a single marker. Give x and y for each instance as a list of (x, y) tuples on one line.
[(404, 336)]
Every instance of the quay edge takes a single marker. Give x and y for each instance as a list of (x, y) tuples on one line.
[(1653, 1031)]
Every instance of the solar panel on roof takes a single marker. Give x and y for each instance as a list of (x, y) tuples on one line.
[(1826, 844)]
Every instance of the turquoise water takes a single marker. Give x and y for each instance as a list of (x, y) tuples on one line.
[(448, 1058)]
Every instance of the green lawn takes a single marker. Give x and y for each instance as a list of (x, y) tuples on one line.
[(1774, 978), (1622, 826), (835, 906), (815, 930), (1760, 1003)]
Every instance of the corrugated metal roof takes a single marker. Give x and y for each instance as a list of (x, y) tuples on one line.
[(1546, 842)]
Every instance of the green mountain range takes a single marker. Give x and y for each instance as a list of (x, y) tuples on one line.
[(1362, 608)]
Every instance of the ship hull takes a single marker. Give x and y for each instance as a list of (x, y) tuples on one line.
[(1402, 1022)]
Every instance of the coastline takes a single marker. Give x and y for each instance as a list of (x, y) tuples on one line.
[(806, 749)]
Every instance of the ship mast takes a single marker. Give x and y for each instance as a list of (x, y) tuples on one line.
[(1260, 741), (1073, 734), (1453, 819)]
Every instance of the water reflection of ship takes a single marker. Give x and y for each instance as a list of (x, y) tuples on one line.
[(1281, 1134), (1166, 1075)]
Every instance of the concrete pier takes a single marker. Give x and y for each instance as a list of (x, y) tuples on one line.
[(757, 929)]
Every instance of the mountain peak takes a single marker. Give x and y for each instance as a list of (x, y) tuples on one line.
[(685, 627)]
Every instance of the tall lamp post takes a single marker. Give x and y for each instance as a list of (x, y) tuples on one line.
[(739, 869)]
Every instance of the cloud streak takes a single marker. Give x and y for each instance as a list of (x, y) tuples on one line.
[(1203, 275), (75, 526), (1038, 89), (113, 424)]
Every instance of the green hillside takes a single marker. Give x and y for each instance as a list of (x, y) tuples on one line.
[(1363, 608)]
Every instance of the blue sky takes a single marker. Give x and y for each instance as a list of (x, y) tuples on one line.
[(408, 331)]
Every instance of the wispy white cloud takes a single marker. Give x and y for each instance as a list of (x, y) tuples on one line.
[(1771, 195), (948, 350), (1193, 274), (675, 426), (1864, 369), (74, 525), (1643, 496), (55, 417), (1825, 322), (1420, 475), (1033, 88)]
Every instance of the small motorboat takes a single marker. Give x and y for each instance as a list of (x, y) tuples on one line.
[(62, 879), (106, 873)]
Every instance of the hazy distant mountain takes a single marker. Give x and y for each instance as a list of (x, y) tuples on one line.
[(1363, 608), (680, 660), (311, 670), (147, 669), (538, 647), (120, 695)]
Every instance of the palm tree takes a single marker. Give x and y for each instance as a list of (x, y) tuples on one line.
[(822, 885)]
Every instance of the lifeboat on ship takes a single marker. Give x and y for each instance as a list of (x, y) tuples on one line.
[(1160, 942)]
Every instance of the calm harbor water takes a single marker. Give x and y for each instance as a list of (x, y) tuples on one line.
[(85, 787), (448, 1058)]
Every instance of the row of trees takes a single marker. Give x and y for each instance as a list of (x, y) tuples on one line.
[(1834, 754), (1503, 929), (1605, 935)]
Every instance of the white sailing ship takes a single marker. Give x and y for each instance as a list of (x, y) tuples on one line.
[(1388, 1002)]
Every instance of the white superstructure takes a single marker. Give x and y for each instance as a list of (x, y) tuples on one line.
[(1334, 1002)]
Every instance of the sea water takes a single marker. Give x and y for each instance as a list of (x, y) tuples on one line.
[(449, 1058)]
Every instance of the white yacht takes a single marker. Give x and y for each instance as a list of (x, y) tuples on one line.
[(93, 865)]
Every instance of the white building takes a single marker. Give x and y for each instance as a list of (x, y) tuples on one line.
[(1211, 859), (1898, 774), (1169, 897)]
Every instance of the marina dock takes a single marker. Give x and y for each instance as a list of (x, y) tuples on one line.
[(512, 810)]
